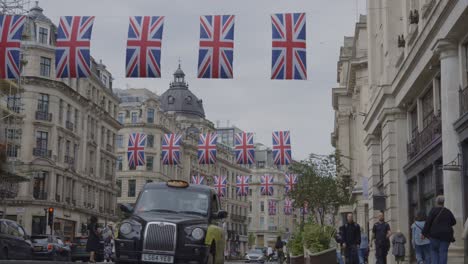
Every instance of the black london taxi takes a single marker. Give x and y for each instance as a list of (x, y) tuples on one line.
[(172, 222)]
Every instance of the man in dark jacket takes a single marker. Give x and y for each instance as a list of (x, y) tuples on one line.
[(381, 234), (439, 229), (351, 237)]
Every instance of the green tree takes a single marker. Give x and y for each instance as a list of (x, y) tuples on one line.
[(319, 187)]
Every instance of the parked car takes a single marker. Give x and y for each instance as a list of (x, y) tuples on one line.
[(78, 250), (255, 255), (47, 247), (14, 242)]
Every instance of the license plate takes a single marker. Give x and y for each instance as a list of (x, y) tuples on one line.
[(37, 248), (157, 258)]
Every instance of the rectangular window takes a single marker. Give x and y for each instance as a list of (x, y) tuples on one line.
[(42, 140), (43, 103), (250, 206), (134, 117), (119, 188), (262, 206), (131, 188), (428, 108), (414, 122), (39, 186), (119, 163), (120, 118), (67, 148), (149, 163), (150, 116), (262, 223), (14, 103), (45, 67), (150, 141), (43, 35), (76, 119), (120, 141)]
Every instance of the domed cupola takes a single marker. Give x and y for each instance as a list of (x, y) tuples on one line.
[(36, 14), (179, 99)]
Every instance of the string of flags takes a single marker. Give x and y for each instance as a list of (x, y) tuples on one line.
[(244, 148), (144, 46)]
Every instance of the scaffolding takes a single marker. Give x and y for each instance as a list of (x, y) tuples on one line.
[(11, 118)]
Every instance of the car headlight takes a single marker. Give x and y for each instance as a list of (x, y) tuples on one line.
[(126, 228), (198, 233)]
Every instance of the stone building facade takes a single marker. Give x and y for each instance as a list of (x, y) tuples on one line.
[(177, 110), (413, 119), (263, 226), (66, 139)]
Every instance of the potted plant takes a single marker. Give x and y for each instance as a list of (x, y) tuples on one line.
[(296, 248), (318, 246)]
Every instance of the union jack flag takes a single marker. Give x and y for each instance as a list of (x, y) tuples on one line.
[(220, 184), (171, 149), (207, 148), (272, 207), (198, 180), (288, 206), (266, 185), (242, 185), (136, 150), (11, 29), (244, 148), (289, 46), (281, 148), (72, 56), (216, 52), (305, 208), (290, 182), (144, 46)]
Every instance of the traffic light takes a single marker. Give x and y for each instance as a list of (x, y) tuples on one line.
[(50, 218)]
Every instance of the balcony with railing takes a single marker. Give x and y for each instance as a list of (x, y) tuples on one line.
[(463, 101), (43, 116), (69, 125), (42, 152), (109, 148), (424, 138)]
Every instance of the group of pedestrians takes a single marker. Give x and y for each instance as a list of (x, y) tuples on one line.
[(95, 236), (430, 238)]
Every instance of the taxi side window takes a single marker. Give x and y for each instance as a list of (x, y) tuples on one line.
[(3, 227), (214, 204)]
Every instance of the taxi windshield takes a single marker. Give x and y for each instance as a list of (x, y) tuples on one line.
[(173, 201)]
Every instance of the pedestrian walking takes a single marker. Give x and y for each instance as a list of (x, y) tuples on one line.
[(420, 243), (439, 229), (108, 237), (339, 245), (351, 235), (398, 243), (363, 248), (381, 235), (92, 245), (279, 249)]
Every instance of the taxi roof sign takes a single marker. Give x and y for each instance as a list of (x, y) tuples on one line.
[(177, 184)]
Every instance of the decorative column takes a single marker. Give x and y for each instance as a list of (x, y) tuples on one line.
[(450, 83)]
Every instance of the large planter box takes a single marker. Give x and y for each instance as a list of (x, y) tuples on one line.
[(297, 260), (326, 256)]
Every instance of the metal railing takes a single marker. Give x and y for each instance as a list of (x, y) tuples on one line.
[(44, 116), (424, 138), (109, 147), (463, 95), (40, 152)]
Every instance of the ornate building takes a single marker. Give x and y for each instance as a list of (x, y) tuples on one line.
[(412, 113), (177, 110), (66, 138), (263, 226)]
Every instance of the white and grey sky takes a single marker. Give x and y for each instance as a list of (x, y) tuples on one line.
[(251, 100)]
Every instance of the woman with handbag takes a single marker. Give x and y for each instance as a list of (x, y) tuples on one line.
[(420, 244), (439, 229)]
